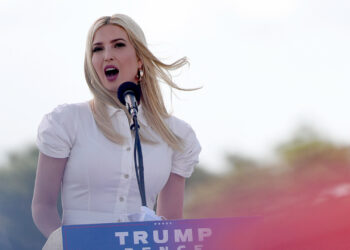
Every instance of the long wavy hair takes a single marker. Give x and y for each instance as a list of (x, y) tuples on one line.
[(152, 100)]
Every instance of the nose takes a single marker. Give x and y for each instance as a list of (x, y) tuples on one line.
[(108, 56)]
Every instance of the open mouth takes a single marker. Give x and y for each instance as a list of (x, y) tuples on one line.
[(111, 72)]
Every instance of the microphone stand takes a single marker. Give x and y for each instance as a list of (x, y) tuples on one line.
[(146, 213), (138, 159)]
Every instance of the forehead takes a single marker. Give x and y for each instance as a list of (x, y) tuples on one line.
[(109, 32)]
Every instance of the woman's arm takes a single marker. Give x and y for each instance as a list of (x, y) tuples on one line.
[(47, 186), (171, 198)]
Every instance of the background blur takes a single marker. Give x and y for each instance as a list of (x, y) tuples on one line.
[(270, 116)]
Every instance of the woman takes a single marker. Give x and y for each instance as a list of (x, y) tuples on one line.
[(86, 149)]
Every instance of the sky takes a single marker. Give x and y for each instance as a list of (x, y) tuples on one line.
[(266, 67)]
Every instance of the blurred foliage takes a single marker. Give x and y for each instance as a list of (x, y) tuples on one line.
[(199, 176), (241, 164), (17, 230), (307, 146), (308, 166)]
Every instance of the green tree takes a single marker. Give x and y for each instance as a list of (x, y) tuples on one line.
[(17, 230), (199, 176), (307, 146), (241, 164)]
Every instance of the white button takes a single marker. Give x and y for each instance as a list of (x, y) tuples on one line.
[(128, 149), (119, 220), (121, 198)]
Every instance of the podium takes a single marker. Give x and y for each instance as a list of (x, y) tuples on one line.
[(194, 234)]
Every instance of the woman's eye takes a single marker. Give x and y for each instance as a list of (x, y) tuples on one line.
[(118, 45), (96, 49)]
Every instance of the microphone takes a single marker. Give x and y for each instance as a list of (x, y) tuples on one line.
[(129, 94)]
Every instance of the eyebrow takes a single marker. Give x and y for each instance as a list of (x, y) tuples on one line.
[(113, 41)]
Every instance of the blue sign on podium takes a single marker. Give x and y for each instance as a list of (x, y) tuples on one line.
[(155, 235)]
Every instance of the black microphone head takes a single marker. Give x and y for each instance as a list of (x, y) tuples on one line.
[(129, 87)]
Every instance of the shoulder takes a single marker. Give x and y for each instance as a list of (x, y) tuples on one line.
[(178, 126), (185, 159), (69, 108), (68, 112), (57, 131), (66, 116), (184, 131)]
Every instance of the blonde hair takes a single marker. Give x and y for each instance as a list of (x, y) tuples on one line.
[(151, 99)]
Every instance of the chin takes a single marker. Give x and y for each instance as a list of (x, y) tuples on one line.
[(111, 88)]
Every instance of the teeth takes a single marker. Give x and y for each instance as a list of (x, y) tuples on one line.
[(110, 69)]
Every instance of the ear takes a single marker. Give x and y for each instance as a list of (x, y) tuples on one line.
[(139, 63)]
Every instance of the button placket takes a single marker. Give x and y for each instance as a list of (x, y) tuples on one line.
[(125, 168), (123, 184)]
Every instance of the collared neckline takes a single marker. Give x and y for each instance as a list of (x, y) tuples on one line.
[(141, 118), (112, 110)]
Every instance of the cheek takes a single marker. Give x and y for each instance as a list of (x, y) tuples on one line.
[(95, 63), (132, 63), (131, 58)]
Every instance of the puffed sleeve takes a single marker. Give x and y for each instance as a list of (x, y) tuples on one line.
[(56, 132), (183, 161)]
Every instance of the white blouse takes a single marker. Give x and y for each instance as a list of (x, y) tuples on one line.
[(99, 183)]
